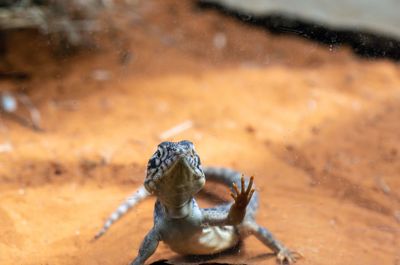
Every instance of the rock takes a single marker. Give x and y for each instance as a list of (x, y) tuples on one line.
[(375, 16)]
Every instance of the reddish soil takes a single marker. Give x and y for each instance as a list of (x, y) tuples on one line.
[(318, 127)]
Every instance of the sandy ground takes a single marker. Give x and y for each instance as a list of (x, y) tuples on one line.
[(317, 126)]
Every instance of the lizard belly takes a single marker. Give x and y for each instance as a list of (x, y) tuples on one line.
[(208, 240)]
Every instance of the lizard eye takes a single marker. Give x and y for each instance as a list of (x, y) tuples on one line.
[(155, 162), (158, 153)]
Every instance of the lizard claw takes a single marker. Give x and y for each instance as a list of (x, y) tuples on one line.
[(287, 256)]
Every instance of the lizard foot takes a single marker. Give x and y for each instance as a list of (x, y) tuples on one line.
[(241, 200), (243, 197), (287, 256)]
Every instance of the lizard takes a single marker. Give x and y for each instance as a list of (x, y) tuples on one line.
[(174, 176)]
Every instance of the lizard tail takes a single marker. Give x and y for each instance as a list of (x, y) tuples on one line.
[(227, 177), (131, 201)]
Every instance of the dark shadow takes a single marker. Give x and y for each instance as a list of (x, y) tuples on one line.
[(210, 195), (203, 260), (165, 262), (363, 43), (261, 257), (161, 262), (14, 75)]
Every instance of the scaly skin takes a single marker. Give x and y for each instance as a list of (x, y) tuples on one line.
[(174, 176)]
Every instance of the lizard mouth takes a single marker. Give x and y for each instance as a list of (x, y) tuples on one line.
[(182, 173), (182, 161)]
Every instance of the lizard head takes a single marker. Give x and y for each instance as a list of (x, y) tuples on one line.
[(174, 173)]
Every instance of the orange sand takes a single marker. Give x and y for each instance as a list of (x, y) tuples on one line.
[(318, 128)]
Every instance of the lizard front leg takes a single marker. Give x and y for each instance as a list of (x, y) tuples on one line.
[(148, 247), (237, 211)]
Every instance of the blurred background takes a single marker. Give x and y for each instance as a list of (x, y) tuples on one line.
[(304, 95)]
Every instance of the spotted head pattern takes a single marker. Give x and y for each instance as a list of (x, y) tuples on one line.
[(166, 158)]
